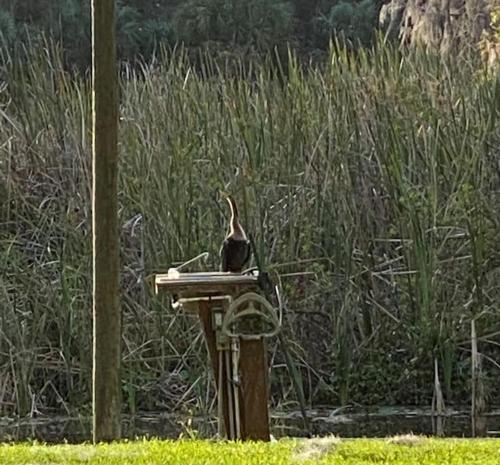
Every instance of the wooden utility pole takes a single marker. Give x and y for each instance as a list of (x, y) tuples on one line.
[(106, 393)]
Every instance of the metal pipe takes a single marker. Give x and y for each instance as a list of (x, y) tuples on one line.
[(230, 405), (220, 398), (203, 255), (235, 355)]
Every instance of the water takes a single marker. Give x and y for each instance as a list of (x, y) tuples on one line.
[(379, 422)]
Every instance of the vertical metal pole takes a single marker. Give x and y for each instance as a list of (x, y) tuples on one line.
[(230, 395), (220, 397), (106, 392), (235, 358)]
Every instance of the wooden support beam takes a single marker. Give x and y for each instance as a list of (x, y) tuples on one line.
[(239, 365), (253, 389), (106, 392)]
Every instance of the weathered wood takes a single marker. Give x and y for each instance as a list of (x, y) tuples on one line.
[(205, 285), (203, 292), (106, 393), (254, 390)]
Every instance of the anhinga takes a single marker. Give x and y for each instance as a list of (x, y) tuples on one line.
[(235, 251)]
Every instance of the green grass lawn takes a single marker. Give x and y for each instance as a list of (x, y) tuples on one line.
[(404, 450)]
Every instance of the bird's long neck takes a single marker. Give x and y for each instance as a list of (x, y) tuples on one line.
[(236, 230)]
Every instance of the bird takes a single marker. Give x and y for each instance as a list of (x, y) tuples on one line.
[(235, 250)]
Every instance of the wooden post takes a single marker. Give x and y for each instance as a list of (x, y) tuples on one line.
[(253, 390), (106, 392), (239, 363)]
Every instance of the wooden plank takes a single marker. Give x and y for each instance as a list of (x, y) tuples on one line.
[(207, 275), (254, 390), (205, 285), (191, 304), (173, 281)]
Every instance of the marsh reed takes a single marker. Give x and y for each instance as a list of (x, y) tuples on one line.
[(371, 185)]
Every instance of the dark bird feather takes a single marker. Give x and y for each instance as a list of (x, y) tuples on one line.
[(235, 254), (235, 250)]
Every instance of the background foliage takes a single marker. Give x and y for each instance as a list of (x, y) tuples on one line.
[(371, 184), (142, 24), (370, 180)]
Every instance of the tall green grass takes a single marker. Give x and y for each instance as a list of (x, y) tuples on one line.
[(371, 185)]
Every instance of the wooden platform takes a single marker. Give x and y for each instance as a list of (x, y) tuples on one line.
[(191, 285), (204, 293)]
